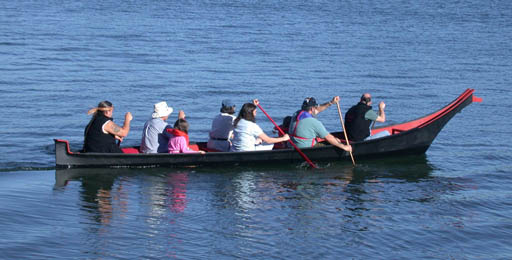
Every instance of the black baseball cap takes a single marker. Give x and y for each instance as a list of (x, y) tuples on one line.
[(308, 103)]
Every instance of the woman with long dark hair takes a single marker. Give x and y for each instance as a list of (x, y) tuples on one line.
[(247, 134), (101, 133)]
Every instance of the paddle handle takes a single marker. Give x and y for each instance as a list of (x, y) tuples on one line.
[(345, 132), (290, 141)]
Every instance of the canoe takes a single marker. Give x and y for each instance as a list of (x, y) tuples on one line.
[(408, 138)]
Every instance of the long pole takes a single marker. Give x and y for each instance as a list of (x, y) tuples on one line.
[(345, 132), (290, 141)]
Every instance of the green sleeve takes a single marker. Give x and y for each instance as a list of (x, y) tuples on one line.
[(371, 115), (320, 129)]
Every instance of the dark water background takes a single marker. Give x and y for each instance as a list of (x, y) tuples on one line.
[(60, 58)]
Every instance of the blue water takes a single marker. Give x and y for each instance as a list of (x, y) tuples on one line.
[(59, 59)]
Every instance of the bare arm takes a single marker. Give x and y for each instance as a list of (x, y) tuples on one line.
[(332, 140), (181, 114), (113, 128), (273, 140), (325, 105), (382, 115)]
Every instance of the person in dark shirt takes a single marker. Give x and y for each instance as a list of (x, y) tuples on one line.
[(101, 133), (360, 117)]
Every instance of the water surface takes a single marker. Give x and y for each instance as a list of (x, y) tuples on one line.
[(57, 60)]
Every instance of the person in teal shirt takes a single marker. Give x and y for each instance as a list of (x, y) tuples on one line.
[(305, 128)]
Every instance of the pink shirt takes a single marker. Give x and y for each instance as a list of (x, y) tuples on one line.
[(178, 144)]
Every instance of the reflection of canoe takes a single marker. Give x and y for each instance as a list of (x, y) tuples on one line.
[(413, 137), (107, 175)]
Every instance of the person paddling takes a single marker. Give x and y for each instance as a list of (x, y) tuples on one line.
[(359, 118), (101, 133), (305, 128), (248, 136)]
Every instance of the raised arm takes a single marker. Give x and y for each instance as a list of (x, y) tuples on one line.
[(118, 131), (181, 114), (382, 115), (325, 105)]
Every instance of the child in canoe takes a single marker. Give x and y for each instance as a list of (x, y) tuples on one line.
[(178, 138)]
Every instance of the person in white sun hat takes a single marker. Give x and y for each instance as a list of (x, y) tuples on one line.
[(154, 137)]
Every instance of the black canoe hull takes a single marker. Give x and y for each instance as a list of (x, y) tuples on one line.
[(409, 138)]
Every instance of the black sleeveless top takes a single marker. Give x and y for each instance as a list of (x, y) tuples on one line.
[(358, 128), (95, 141)]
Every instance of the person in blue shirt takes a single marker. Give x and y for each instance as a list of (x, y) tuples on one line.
[(154, 135)]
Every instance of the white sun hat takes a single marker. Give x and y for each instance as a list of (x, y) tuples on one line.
[(161, 109)]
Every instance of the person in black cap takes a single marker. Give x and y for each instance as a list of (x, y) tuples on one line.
[(222, 127), (359, 118), (305, 128)]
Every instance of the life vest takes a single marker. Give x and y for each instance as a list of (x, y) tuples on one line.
[(357, 126), (302, 115), (96, 141)]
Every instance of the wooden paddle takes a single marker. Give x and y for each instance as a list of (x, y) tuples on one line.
[(345, 132), (290, 141)]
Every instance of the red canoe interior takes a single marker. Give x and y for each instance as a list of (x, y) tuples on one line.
[(422, 122)]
